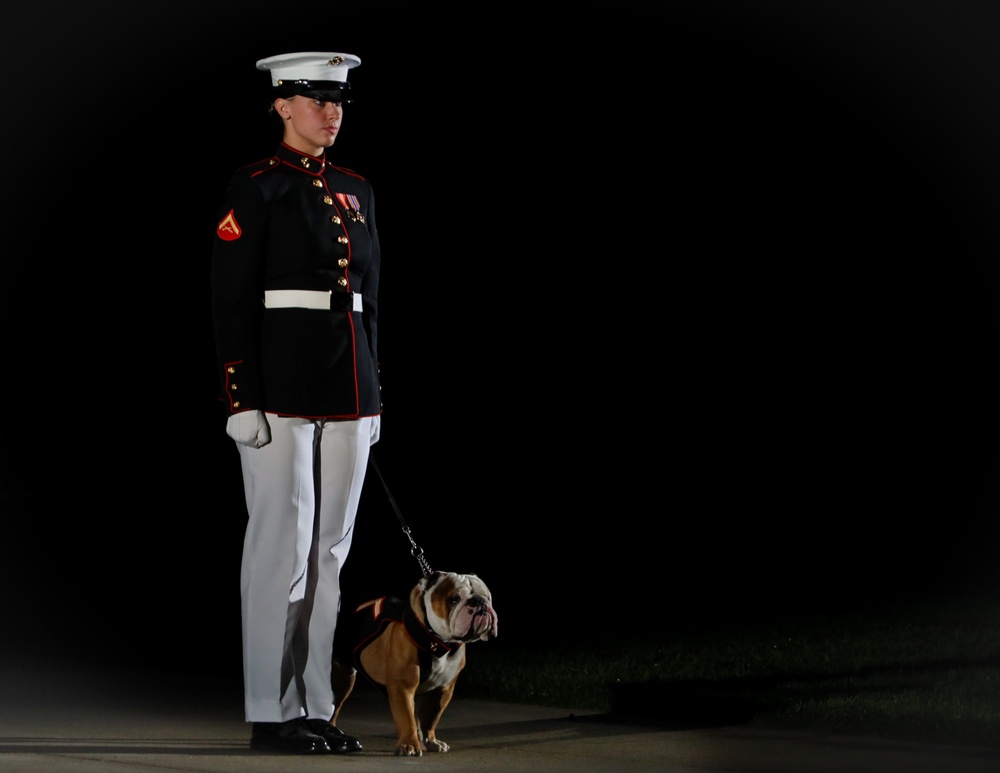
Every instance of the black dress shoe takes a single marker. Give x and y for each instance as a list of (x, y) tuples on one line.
[(338, 741), (292, 737)]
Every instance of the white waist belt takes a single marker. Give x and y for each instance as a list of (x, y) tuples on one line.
[(311, 299)]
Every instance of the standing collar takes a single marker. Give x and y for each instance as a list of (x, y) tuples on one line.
[(300, 160)]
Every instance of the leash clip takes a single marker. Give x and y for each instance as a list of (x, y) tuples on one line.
[(417, 552)]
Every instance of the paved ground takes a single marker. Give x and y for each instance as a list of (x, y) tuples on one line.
[(93, 720)]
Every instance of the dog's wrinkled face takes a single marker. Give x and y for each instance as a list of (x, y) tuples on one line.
[(459, 607)]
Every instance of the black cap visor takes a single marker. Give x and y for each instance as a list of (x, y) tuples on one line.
[(328, 91)]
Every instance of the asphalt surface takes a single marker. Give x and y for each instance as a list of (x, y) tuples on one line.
[(74, 719)]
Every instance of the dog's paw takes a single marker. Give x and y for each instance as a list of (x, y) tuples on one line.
[(437, 745), (409, 749)]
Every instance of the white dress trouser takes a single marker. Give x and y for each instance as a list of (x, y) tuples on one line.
[(302, 494)]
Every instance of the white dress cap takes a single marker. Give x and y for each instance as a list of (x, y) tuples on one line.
[(309, 66)]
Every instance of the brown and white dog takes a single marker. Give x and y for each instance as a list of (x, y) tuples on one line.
[(414, 650)]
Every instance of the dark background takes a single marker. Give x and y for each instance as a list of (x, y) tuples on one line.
[(689, 310)]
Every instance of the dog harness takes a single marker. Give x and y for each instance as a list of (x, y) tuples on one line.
[(376, 614)]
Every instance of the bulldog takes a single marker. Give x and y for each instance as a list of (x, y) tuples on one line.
[(413, 651)]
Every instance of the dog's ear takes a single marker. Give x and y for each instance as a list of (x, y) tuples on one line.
[(429, 580)]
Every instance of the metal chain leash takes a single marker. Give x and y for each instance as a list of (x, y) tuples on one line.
[(417, 552)]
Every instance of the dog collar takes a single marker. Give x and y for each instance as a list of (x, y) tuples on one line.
[(424, 637)]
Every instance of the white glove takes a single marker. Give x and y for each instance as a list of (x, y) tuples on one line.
[(376, 430), (249, 428)]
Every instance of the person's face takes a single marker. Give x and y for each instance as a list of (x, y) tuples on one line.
[(310, 124)]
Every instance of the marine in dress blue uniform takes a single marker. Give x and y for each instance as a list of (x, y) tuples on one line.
[(294, 276)]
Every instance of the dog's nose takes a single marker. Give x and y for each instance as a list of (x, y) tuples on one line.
[(476, 601)]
